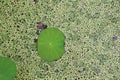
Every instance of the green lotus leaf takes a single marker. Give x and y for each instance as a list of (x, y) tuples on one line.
[(51, 44), (7, 69)]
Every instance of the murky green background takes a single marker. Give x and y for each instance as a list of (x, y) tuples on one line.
[(92, 45)]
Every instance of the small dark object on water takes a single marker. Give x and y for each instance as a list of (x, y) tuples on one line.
[(57, 71), (37, 32), (114, 38), (40, 25), (36, 1), (35, 40)]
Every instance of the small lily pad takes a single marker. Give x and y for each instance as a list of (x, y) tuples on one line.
[(7, 69), (51, 44)]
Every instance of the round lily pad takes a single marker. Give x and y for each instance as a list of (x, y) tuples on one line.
[(51, 44), (7, 69)]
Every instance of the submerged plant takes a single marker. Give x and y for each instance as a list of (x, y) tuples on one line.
[(7, 69), (51, 44)]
